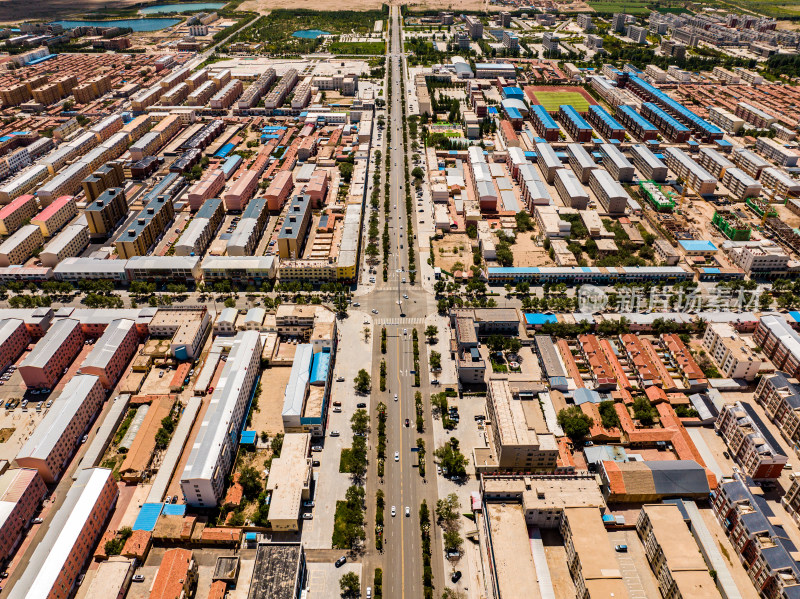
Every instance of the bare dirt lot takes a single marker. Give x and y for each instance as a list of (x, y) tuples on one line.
[(527, 253), (451, 249), (270, 403)]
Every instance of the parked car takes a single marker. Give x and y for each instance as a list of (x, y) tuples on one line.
[(316, 448), (361, 405), (457, 574), (341, 561), (308, 516), (621, 548), (315, 463), (138, 578), (334, 433), (37, 520)]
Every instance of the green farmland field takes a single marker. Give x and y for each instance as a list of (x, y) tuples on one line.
[(552, 100), (632, 8)]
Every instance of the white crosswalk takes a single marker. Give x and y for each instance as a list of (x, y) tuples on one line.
[(399, 321)]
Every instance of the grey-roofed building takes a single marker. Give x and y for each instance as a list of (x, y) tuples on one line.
[(68, 243), (295, 227), (767, 553), (163, 268), (751, 444), (610, 194), (112, 352), (289, 482), (239, 269), (279, 571), (74, 270), (248, 232), (653, 480), (617, 165), (55, 351), (780, 396), (52, 444), (570, 189), (581, 162), (648, 163), (549, 361), (211, 458)]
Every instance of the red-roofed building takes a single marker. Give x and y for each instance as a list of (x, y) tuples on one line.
[(218, 590), (56, 215), (138, 545), (21, 494), (602, 372), (692, 374), (14, 215), (177, 576), (598, 432)]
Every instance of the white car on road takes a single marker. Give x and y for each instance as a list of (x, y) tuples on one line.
[(396, 456), (394, 512)]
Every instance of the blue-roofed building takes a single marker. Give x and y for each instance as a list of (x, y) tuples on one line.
[(702, 128), (174, 509), (307, 392), (674, 130), (639, 126), (320, 368), (607, 125), (583, 395), (224, 150), (698, 247), (575, 124), (148, 516), (248, 438), (538, 319), (544, 124), (723, 145), (513, 92), (230, 165), (767, 553), (586, 274)]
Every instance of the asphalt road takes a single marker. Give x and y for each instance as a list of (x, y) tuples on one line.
[(402, 485)]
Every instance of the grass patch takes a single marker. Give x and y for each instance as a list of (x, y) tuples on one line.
[(5, 434), (358, 48), (632, 8), (552, 100), (346, 461)]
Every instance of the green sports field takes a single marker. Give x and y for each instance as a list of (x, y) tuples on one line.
[(552, 100)]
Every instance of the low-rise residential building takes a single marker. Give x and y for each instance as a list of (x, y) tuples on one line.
[(520, 438), (590, 557), (764, 549), (211, 458), (176, 577), (16, 214), (779, 394), (21, 494), (60, 557), (68, 243), (734, 357), (56, 215), (750, 442), (21, 245), (52, 444), (14, 339), (43, 366), (672, 553), (779, 342), (112, 352)]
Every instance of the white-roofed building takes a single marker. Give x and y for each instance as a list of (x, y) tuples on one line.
[(67, 244), (52, 444), (79, 269), (112, 352), (214, 449), (294, 396), (289, 482), (21, 494), (71, 537)]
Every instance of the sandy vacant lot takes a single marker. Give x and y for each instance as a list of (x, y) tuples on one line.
[(456, 248), (527, 253)]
